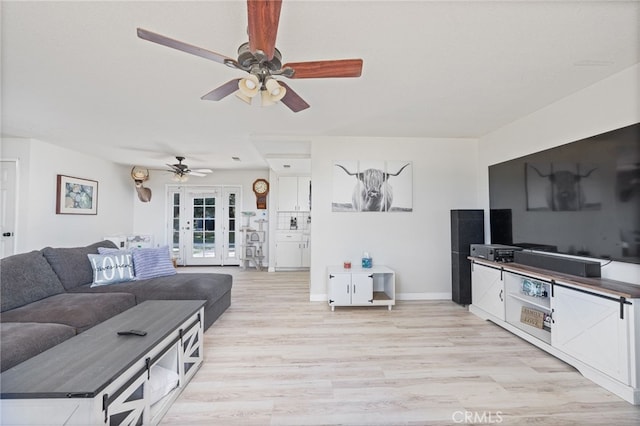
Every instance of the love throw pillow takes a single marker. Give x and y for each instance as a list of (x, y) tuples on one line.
[(111, 268)]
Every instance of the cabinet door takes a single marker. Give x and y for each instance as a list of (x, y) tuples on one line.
[(589, 328), (287, 193), (339, 289), (306, 254), (288, 254), (362, 289), (304, 193), (487, 290)]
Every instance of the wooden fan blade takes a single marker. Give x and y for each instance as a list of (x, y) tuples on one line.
[(223, 91), (178, 45), (264, 16), (326, 69), (292, 100)]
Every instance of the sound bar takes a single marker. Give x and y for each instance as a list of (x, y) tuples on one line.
[(565, 265)]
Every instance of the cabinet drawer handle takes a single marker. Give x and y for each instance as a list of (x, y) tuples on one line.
[(501, 299)]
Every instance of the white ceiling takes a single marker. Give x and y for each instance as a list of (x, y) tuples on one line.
[(75, 74)]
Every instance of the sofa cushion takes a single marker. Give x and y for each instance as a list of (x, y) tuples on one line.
[(214, 288), (152, 262), (72, 264), (26, 278), (23, 340), (111, 268), (78, 310)]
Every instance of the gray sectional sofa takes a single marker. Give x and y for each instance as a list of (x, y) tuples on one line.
[(46, 298)]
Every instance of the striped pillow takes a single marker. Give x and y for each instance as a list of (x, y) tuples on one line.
[(152, 262)]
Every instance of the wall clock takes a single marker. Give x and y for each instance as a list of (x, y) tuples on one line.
[(261, 189)]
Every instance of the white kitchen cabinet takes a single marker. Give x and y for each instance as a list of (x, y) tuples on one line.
[(292, 250), (590, 328), (306, 253), (294, 193), (360, 286), (487, 290)]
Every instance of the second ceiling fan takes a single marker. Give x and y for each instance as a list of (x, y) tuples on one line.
[(262, 60)]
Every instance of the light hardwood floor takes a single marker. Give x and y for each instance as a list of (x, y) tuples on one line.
[(274, 358)]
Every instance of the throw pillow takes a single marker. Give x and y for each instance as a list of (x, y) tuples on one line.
[(152, 262), (111, 268), (108, 250)]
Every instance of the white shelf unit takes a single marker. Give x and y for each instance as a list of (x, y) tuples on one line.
[(517, 300), (594, 329), (375, 286)]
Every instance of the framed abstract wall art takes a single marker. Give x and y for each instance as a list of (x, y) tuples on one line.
[(76, 196)]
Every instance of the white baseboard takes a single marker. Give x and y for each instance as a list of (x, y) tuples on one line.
[(399, 296), (423, 296)]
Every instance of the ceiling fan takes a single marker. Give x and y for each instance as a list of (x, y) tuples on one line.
[(182, 171), (262, 60)]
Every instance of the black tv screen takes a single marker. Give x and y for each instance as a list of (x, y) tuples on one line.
[(581, 198)]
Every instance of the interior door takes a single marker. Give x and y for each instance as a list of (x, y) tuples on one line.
[(8, 205), (204, 225)]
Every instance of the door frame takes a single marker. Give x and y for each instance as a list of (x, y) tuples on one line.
[(183, 190), (16, 190)]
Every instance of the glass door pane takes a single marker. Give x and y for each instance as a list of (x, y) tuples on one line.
[(231, 225), (203, 227), (175, 225), (203, 248)]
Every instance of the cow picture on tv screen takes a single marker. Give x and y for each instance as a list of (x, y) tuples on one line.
[(563, 187)]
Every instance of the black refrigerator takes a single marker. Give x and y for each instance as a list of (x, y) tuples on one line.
[(467, 227)]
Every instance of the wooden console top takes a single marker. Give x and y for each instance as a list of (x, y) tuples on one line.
[(604, 285)]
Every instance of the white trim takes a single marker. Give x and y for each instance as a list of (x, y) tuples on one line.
[(423, 296), (16, 216), (399, 296)]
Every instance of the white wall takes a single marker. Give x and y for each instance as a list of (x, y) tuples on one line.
[(38, 224), (416, 245), (607, 105), (151, 218)]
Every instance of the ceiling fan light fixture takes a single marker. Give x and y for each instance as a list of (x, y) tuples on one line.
[(275, 90), (249, 86), (267, 99), (243, 97), (180, 178)]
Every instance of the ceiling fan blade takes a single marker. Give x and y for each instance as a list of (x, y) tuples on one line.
[(192, 173), (292, 100), (178, 45), (223, 91), (264, 16), (202, 170), (326, 69)]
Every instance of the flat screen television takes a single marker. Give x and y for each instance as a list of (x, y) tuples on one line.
[(581, 198)]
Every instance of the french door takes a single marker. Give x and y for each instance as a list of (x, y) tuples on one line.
[(204, 224)]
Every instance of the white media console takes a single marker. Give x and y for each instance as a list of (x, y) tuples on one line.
[(592, 324)]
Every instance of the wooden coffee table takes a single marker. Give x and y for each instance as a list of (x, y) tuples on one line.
[(101, 377)]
